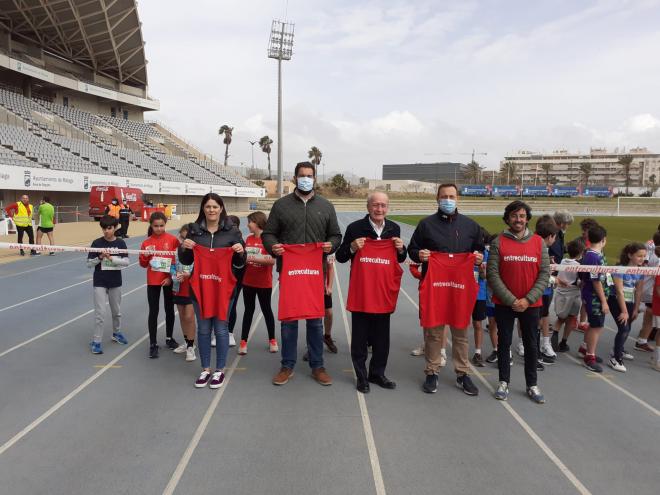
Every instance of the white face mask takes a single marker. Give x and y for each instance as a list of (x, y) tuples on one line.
[(305, 184)]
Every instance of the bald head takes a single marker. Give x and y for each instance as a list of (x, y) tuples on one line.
[(378, 204), (25, 199)]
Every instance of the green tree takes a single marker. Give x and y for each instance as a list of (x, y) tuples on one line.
[(339, 185), (264, 144), (626, 169), (509, 173), (227, 131), (586, 170), (653, 183), (546, 167), (473, 173), (315, 156)]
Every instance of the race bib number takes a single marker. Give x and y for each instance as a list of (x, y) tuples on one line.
[(609, 279), (629, 294), (161, 264), (107, 264)]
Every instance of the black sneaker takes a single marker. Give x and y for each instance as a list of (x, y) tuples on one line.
[(153, 351), (546, 359), (563, 347), (492, 358), (171, 343), (464, 382), (477, 360), (430, 384), (539, 366)]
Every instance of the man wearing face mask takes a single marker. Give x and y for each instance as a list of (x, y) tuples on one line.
[(113, 208), (297, 218), (446, 231)]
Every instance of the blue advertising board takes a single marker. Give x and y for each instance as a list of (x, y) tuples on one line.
[(505, 191), (535, 191), (597, 191), (565, 191), (475, 191)]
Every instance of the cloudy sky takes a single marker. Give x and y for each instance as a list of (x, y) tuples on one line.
[(391, 81)]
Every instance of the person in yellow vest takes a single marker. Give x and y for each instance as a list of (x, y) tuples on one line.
[(21, 213), (113, 208)]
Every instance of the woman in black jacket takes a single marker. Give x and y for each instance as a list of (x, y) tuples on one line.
[(212, 229)]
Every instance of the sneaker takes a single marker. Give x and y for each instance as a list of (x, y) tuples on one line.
[(591, 364), (119, 338), (563, 347), (443, 360), (627, 356), (539, 366), (548, 351), (582, 352), (181, 349), (545, 359), (283, 376), (617, 365), (203, 379), (535, 394), (430, 385), (477, 360), (232, 340), (330, 344), (321, 376), (213, 340), (272, 346), (153, 351), (242, 348), (96, 347), (190, 354), (502, 392), (171, 343), (643, 347), (417, 351), (464, 382), (217, 379), (492, 358), (521, 349)]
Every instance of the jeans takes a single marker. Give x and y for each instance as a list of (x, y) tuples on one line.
[(314, 343), (529, 323), (204, 328), (623, 329)]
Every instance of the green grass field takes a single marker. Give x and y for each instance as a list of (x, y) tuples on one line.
[(620, 230)]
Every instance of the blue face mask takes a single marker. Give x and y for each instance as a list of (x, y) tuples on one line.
[(305, 184), (447, 206)]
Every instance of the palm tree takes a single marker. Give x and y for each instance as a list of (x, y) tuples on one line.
[(509, 173), (227, 131), (315, 155), (626, 165), (653, 184), (546, 167), (586, 170), (264, 144), (472, 172)]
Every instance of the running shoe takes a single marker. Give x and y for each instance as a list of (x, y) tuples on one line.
[(521, 349), (477, 360), (119, 338), (563, 347), (545, 359), (217, 379), (203, 379), (181, 349), (272, 346), (627, 356), (190, 354), (582, 352), (591, 364), (539, 366), (443, 359), (153, 351), (502, 392), (330, 343), (617, 365), (417, 351), (548, 350), (96, 347), (430, 385), (535, 394), (464, 382), (212, 339), (232, 340), (492, 357), (171, 343), (242, 348), (643, 347)]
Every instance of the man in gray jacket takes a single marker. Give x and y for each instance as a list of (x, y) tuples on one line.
[(301, 217)]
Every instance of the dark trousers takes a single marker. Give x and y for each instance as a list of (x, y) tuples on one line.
[(153, 297), (232, 305), (250, 294), (529, 323), (123, 226), (370, 329), (623, 329), (28, 230)]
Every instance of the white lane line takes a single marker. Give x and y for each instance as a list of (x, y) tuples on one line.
[(201, 428), (54, 292), (525, 426), (55, 328), (21, 434), (38, 268), (364, 412)]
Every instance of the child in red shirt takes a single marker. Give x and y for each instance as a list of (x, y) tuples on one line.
[(158, 275)]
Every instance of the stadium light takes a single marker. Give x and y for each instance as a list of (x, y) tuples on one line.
[(280, 47)]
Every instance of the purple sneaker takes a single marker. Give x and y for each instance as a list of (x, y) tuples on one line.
[(217, 380), (203, 379)]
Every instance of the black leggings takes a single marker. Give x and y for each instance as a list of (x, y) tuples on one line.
[(249, 294), (153, 296), (27, 230)]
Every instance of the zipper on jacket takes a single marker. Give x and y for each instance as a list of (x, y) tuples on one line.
[(212, 234)]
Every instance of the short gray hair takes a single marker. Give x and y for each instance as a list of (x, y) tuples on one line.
[(371, 195), (563, 217)]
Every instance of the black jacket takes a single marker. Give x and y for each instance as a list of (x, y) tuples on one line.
[(227, 235), (558, 249), (363, 228)]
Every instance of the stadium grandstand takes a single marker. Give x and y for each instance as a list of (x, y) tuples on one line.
[(73, 95)]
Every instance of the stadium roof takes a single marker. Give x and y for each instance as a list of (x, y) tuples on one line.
[(103, 35)]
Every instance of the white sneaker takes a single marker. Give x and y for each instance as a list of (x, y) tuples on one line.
[(213, 340), (443, 360), (232, 340), (181, 349), (521, 349), (655, 365), (616, 365), (418, 351), (190, 353), (548, 350), (627, 356)]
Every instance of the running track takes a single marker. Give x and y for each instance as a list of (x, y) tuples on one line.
[(75, 423)]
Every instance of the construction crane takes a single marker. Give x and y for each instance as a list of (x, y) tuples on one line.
[(472, 154)]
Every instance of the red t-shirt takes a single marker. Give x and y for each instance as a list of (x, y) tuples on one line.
[(257, 275), (301, 282), (656, 298), (184, 288), (163, 242), (448, 291), (375, 278), (520, 263), (415, 272), (212, 281)]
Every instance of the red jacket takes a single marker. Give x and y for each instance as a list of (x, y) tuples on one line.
[(163, 242)]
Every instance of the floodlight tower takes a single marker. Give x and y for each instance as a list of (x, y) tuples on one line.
[(280, 47)]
